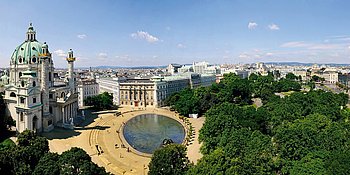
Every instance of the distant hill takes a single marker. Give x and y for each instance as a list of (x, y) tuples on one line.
[(122, 67), (306, 64)]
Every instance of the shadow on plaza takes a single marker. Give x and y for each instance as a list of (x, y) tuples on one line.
[(62, 133), (92, 127), (89, 118)]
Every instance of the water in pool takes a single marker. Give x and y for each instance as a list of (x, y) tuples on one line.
[(146, 132)]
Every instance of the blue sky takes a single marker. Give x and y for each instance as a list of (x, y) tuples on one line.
[(158, 32)]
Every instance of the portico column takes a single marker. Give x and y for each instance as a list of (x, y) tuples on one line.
[(71, 112), (75, 108), (66, 109), (68, 114), (63, 115)]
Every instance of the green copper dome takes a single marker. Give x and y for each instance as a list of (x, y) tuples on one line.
[(28, 50)]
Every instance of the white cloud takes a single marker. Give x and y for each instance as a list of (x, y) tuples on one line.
[(145, 36), (123, 57), (82, 36), (294, 44), (102, 55), (243, 55), (312, 46), (181, 46), (273, 27), (60, 53), (168, 28), (252, 25)]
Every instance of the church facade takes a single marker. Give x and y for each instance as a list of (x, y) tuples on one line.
[(32, 97)]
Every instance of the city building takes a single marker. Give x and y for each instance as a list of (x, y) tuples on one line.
[(32, 97), (200, 67), (110, 85), (185, 68), (330, 76), (301, 73), (144, 92), (87, 88), (173, 68)]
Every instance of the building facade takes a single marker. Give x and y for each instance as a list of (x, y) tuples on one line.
[(151, 92), (32, 98), (87, 88), (110, 85)]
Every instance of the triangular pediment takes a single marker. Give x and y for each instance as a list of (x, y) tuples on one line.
[(72, 97), (11, 88)]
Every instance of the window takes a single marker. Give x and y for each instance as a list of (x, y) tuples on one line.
[(22, 83), (20, 59), (34, 83), (50, 110), (49, 122), (12, 94), (22, 100), (49, 76), (34, 60), (20, 74), (34, 100), (21, 117)]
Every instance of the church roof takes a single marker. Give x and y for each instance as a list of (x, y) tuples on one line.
[(28, 49)]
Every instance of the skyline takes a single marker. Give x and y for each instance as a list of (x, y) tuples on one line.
[(147, 33)]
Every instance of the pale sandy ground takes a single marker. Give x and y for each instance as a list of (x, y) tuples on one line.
[(102, 131), (193, 149)]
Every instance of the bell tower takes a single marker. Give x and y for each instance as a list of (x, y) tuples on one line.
[(31, 34), (70, 59)]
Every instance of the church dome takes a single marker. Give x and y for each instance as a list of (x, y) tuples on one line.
[(26, 51), (29, 50)]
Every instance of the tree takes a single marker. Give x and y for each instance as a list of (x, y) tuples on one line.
[(215, 163), (31, 156), (235, 90), (31, 148), (223, 119), (5, 121), (303, 133), (102, 101), (316, 78), (187, 102), (313, 163), (253, 77), (291, 76), (206, 99), (169, 160), (77, 161), (48, 165)]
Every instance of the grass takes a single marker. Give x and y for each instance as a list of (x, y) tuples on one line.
[(7, 143)]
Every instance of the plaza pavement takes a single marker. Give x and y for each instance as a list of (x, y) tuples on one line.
[(104, 132)]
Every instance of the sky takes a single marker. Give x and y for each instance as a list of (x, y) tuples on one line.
[(159, 32)]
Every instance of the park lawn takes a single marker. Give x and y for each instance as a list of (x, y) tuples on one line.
[(7, 143)]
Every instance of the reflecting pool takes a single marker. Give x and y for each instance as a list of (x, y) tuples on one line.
[(146, 132)]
